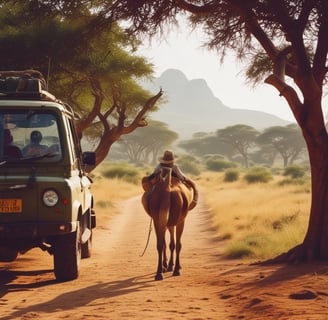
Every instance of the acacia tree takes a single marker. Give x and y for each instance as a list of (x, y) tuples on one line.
[(241, 137), (284, 40), (286, 140), (146, 143), (207, 144), (93, 69)]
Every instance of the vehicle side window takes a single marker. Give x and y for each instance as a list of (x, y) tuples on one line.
[(72, 143)]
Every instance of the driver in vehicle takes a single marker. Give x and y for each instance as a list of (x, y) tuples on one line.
[(10, 150)]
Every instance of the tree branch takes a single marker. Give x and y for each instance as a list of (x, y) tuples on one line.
[(320, 57), (279, 66), (139, 120), (95, 111), (192, 8), (110, 110), (253, 26), (288, 93), (303, 18)]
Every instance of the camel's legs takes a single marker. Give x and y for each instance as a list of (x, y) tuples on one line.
[(164, 257), (179, 230), (160, 236), (172, 247)]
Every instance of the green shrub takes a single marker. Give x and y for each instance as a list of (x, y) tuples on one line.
[(276, 170), (231, 175), (238, 250), (294, 181), (226, 236), (258, 174), (104, 204), (214, 156), (294, 171), (219, 165), (124, 172), (285, 220), (189, 167)]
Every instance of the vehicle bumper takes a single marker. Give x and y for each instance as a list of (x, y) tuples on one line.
[(35, 229)]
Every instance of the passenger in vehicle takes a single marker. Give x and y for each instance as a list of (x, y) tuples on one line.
[(34, 148), (9, 149)]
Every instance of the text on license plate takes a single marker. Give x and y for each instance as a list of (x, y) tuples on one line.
[(10, 205)]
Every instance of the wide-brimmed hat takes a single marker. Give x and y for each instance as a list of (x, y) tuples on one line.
[(167, 158)]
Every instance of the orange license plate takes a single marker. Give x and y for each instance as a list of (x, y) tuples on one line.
[(10, 205)]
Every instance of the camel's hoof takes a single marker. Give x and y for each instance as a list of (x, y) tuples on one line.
[(158, 277), (176, 273)]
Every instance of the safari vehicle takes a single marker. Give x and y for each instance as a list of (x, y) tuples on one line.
[(45, 192)]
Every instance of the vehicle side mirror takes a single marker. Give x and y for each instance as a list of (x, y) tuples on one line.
[(89, 158)]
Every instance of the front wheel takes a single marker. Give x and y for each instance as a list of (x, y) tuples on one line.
[(86, 248), (67, 256), (86, 238)]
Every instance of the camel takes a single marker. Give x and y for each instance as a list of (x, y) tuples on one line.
[(167, 202)]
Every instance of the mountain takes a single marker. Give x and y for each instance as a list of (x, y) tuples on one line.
[(190, 106)]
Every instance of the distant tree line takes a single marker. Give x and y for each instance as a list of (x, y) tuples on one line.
[(242, 143), (239, 143)]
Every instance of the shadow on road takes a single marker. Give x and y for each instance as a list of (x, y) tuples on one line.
[(8, 276), (81, 297)]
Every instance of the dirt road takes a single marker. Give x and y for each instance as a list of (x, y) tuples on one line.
[(116, 283)]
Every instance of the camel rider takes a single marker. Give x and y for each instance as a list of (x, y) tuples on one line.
[(168, 161)]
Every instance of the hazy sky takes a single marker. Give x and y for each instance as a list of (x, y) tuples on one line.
[(182, 50)]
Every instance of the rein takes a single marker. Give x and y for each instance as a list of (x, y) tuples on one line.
[(150, 228)]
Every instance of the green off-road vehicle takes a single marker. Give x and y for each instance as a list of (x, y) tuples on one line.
[(45, 196)]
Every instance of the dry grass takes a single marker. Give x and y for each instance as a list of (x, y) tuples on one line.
[(257, 220), (109, 192)]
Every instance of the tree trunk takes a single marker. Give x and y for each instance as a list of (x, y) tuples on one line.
[(245, 159), (316, 240), (285, 159)]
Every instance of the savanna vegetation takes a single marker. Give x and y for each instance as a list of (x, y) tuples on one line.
[(255, 219), (283, 42)]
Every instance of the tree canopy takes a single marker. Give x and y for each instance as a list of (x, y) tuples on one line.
[(287, 141), (241, 137), (146, 144), (95, 70)]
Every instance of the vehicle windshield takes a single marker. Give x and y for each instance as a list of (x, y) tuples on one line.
[(29, 135)]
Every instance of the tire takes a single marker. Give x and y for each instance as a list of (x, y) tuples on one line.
[(86, 248), (67, 256), (89, 224)]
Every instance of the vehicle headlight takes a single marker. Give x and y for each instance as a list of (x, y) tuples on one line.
[(50, 198)]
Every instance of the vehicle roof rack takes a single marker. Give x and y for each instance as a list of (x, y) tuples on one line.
[(26, 84), (31, 85)]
